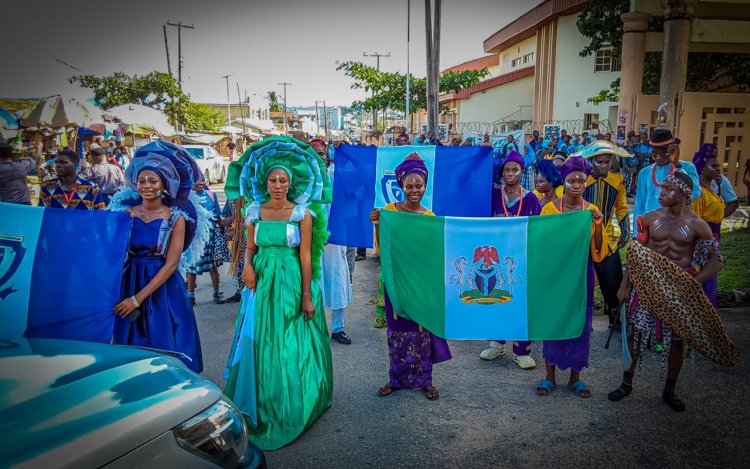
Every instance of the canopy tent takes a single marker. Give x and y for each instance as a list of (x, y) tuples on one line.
[(8, 123), (143, 120), (58, 111), (202, 138)]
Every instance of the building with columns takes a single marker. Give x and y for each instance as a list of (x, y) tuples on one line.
[(720, 26), (536, 76)]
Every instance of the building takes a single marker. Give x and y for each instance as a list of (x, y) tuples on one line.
[(536, 77)]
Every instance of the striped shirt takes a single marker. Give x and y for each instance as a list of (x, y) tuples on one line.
[(609, 194)]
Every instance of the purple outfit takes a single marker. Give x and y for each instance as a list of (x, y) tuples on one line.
[(412, 351)]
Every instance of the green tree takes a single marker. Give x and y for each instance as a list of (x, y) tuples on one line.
[(273, 101), (389, 89), (709, 72), (157, 90)]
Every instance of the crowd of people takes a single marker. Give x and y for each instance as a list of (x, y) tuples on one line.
[(287, 275)]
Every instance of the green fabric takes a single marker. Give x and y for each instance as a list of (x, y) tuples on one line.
[(293, 355), (414, 281), (551, 282)]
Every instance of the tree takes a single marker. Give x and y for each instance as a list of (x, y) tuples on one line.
[(708, 72), (273, 101), (389, 89), (156, 90)]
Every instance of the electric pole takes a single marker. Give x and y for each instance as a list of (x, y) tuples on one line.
[(166, 46), (285, 84), (229, 109), (179, 27), (325, 117), (317, 115), (432, 29), (377, 66), (242, 113)]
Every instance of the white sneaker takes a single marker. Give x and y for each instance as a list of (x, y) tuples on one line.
[(525, 362), (493, 351)]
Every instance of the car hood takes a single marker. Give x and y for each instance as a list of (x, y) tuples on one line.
[(69, 402)]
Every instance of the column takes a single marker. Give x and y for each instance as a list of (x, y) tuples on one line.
[(677, 19), (635, 25)]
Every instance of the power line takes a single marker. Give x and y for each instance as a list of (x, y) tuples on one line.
[(179, 27)]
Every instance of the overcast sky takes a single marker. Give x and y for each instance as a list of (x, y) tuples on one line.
[(262, 43)]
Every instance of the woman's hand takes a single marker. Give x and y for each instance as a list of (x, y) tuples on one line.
[(248, 276), (124, 308), (308, 308), (623, 294), (375, 216), (598, 217)]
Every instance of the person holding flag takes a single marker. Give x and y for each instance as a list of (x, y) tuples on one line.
[(574, 353), (412, 350)]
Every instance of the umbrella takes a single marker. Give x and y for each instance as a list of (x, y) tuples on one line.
[(8, 123), (59, 111), (143, 118)]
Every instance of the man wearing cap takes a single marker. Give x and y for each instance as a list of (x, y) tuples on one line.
[(13, 186), (665, 150), (606, 190)]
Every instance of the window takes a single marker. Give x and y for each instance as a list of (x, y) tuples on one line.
[(606, 62), (528, 58), (516, 62), (591, 121)]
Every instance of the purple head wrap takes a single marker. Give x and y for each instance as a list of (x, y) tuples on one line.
[(705, 153), (575, 164), (413, 164), (515, 157)]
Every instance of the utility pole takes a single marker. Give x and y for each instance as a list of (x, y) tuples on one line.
[(242, 114), (229, 109), (432, 30), (408, 81), (179, 27), (285, 84), (325, 117), (317, 115), (377, 66), (166, 46)]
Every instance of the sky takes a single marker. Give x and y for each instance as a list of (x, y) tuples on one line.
[(262, 43)]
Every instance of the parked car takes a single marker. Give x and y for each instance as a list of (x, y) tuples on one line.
[(81, 404), (209, 161)]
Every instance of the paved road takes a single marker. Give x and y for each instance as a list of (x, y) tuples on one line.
[(488, 413)]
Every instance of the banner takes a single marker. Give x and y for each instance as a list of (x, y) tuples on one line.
[(459, 185), (498, 139), (520, 278), (60, 271)]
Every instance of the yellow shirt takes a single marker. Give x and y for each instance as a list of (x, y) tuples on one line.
[(709, 206), (596, 256)]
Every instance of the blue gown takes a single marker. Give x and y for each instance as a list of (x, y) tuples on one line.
[(167, 321)]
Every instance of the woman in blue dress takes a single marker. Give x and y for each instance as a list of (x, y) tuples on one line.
[(155, 310)]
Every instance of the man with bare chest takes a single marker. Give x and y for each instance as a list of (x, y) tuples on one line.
[(675, 232)]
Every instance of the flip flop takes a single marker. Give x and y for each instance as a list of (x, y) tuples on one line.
[(545, 387), (386, 390), (431, 393), (580, 389)]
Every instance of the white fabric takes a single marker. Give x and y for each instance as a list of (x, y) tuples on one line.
[(337, 289)]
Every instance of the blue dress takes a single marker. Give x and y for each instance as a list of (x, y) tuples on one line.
[(167, 321)]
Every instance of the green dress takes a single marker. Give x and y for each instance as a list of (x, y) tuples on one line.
[(292, 355)]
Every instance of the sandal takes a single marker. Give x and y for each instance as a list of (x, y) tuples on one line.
[(545, 387), (386, 390), (580, 389), (431, 393)]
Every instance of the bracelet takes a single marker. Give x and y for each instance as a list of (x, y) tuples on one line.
[(134, 301)]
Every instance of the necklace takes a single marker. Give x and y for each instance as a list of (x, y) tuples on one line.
[(69, 195), (520, 203), (148, 215), (653, 174), (562, 205)]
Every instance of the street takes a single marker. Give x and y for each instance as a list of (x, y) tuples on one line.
[(488, 412)]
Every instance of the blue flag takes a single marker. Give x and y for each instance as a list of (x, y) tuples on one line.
[(60, 271), (460, 184)]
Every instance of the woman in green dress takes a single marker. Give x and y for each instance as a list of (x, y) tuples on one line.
[(279, 368)]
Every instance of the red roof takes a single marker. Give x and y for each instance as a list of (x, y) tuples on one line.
[(491, 83), (526, 25), (476, 64)]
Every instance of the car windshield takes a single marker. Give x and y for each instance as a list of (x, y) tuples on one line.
[(196, 153)]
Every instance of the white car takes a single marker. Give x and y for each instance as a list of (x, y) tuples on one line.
[(209, 161)]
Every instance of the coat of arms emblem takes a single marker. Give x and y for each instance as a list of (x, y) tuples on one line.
[(486, 279)]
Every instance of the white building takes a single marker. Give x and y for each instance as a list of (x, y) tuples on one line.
[(536, 76)]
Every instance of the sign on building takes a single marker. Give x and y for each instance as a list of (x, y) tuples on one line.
[(442, 131), (552, 131)]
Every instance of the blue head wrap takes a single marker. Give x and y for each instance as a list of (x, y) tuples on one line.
[(550, 172)]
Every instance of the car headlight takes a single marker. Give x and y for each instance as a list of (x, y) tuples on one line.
[(217, 434)]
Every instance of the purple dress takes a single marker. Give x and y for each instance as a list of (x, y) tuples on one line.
[(529, 207)]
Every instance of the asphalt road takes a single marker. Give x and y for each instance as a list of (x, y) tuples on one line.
[(488, 413)]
